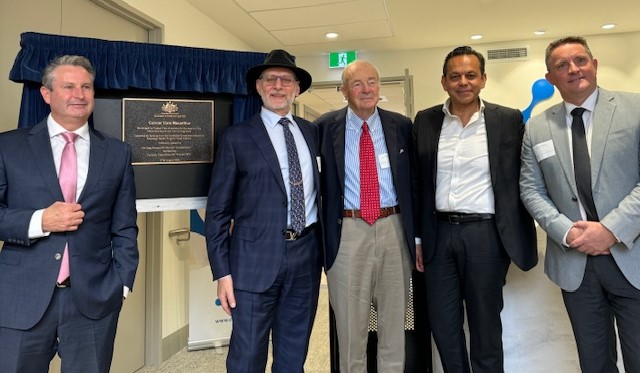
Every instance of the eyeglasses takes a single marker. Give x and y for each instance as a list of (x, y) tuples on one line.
[(285, 80)]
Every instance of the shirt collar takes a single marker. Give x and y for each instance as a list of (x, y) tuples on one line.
[(271, 119), (55, 129), (589, 103), (447, 105), (355, 122)]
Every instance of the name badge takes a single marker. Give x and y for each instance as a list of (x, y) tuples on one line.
[(384, 161), (544, 150)]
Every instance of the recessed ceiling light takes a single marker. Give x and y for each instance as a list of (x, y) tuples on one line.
[(540, 32), (331, 35), (608, 26), (476, 36)]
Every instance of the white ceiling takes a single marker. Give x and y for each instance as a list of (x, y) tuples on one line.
[(299, 26)]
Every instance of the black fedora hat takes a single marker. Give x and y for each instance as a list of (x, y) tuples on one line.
[(278, 58)]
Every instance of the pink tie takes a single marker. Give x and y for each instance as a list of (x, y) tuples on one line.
[(68, 178), (369, 186)]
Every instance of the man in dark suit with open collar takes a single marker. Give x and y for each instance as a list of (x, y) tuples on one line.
[(367, 262), (471, 221), (42, 309), (268, 270)]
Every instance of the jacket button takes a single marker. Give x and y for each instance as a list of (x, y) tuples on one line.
[(58, 256), (339, 221)]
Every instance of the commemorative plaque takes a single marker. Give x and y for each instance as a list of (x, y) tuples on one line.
[(164, 131)]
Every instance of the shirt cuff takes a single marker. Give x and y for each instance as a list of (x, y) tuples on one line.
[(564, 239), (418, 240), (35, 225), (125, 291)]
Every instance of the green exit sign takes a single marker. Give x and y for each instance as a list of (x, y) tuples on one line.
[(341, 59)]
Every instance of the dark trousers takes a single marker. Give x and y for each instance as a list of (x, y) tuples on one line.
[(468, 271), (84, 345), (604, 297), (286, 310)]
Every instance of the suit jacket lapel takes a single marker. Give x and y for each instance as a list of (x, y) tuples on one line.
[(559, 133), (40, 144), (97, 157), (436, 120), (311, 144), (338, 133), (600, 128), (492, 122), (390, 137), (263, 143)]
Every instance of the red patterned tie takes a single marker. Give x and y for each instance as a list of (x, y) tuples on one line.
[(68, 178), (369, 187)]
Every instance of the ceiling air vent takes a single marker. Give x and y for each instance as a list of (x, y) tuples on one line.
[(519, 53)]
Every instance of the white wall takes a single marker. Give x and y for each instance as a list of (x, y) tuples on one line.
[(508, 83), (64, 17), (185, 25)]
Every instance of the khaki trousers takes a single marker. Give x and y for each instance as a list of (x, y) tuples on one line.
[(373, 266)]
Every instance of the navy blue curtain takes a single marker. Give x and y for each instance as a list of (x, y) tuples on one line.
[(124, 65)]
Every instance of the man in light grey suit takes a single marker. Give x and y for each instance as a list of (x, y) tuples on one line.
[(593, 248)]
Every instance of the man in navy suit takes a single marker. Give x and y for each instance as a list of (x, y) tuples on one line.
[(261, 227), (43, 309), (368, 261), (471, 220)]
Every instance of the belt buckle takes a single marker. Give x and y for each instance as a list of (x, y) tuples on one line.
[(452, 218), (290, 235)]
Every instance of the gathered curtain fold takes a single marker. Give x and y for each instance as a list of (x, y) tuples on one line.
[(122, 65)]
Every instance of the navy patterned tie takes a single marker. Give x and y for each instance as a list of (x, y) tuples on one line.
[(295, 179), (582, 164)]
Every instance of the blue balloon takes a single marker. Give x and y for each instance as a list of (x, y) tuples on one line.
[(540, 90)]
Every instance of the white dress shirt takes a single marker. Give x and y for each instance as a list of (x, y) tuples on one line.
[(463, 180), (57, 145), (590, 105)]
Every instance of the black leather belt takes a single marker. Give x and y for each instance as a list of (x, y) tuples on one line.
[(64, 284), (291, 235), (461, 218), (384, 212)]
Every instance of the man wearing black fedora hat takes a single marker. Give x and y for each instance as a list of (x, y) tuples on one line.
[(266, 180)]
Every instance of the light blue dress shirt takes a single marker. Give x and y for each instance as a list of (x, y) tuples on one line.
[(276, 134), (352, 134)]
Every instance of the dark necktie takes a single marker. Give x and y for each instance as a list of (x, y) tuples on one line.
[(582, 164), (369, 186), (68, 179), (298, 215)]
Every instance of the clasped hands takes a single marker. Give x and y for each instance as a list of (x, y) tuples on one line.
[(591, 238), (62, 217)]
